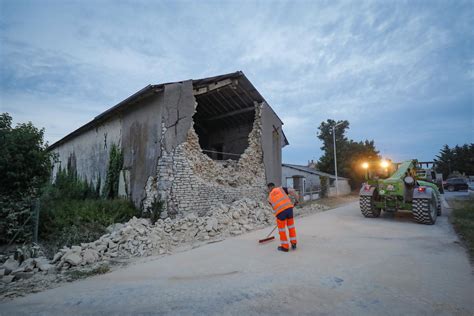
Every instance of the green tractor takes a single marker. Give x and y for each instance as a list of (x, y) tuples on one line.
[(392, 187)]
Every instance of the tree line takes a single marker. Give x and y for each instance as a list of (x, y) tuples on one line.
[(455, 161)]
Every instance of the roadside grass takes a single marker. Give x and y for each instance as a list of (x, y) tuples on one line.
[(81, 274), (463, 222)]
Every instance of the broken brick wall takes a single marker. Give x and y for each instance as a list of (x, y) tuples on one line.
[(190, 181)]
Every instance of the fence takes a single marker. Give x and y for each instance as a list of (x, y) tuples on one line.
[(32, 221)]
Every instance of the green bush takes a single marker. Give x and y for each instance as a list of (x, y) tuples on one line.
[(153, 212), (15, 220), (68, 186), (71, 222), (324, 186), (113, 172), (72, 211)]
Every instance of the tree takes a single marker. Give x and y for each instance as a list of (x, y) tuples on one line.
[(457, 159), (356, 153), (326, 162), (25, 165), (444, 161), (350, 154)]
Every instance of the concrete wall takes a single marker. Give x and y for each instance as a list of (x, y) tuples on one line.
[(91, 150), (141, 137), (343, 186), (136, 131), (271, 144)]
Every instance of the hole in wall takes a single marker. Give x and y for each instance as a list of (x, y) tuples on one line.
[(223, 121)]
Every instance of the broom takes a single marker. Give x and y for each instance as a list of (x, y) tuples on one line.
[(267, 239)]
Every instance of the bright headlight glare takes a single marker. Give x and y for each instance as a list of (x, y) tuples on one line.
[(384, 163), (365, 165)]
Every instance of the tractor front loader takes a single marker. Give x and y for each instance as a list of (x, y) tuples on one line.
[(399, 191)]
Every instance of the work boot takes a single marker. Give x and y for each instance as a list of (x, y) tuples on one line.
[(293, 246), (280, 248)]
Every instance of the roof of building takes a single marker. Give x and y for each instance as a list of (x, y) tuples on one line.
[(312, 171), (244, 86)]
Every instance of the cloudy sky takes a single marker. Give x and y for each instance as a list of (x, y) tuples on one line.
[(401, 72)]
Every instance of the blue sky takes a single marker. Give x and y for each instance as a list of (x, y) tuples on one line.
[(401, 72)]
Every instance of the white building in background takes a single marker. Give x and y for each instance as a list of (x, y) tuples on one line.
[(307, 181)]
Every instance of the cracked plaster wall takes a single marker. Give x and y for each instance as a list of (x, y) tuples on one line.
[(90, 150)]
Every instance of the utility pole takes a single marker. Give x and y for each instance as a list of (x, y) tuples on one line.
[(335, 158)]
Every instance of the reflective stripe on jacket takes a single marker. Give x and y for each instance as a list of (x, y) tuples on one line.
[(279, 200)]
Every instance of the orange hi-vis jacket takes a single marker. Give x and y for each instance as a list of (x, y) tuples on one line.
[(279, 200)]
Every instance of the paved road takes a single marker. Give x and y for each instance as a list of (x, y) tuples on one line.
[(346, 265)]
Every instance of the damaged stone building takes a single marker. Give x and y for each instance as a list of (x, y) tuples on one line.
[(192, 144)]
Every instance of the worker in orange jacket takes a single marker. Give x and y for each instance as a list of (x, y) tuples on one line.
[(283, 210)]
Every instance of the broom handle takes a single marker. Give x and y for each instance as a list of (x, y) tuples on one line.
[(272, 231)]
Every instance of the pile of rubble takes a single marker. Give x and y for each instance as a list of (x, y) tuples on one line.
[(11, 270), (139, 237)]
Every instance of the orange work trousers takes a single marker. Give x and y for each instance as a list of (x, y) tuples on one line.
[(285, 219)]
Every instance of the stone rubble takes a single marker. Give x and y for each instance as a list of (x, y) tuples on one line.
[(13, 270), (139, 238)]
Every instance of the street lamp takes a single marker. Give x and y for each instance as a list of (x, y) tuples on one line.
[(335, 159)]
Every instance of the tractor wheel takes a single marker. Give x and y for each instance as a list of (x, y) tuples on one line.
[(438, 206), (424, 211), (367, 207)]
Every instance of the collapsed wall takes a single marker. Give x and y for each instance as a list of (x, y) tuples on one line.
[(190, 181)]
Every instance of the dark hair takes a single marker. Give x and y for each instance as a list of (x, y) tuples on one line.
[(271, 185)]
